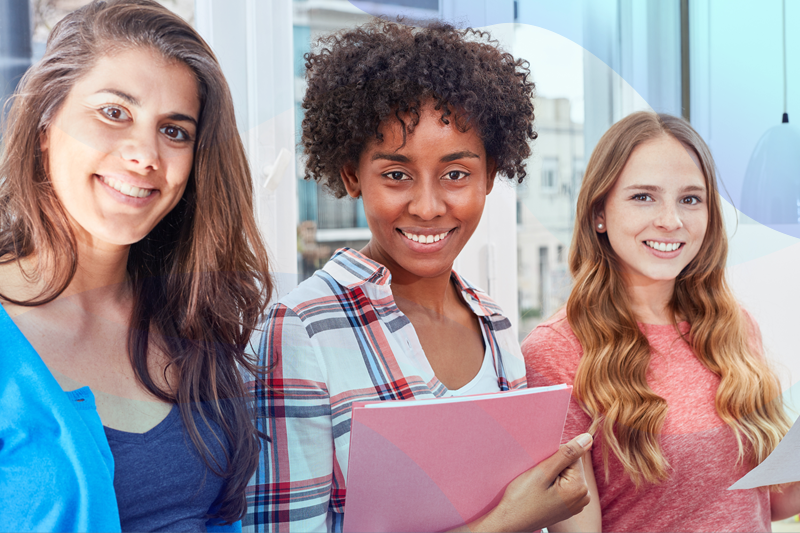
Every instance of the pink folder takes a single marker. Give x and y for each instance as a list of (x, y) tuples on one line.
[(433, 465)]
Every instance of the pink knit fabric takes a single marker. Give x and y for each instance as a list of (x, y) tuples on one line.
[(699, 446)]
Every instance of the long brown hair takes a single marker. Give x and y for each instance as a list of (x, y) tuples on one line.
[(611, 379), (200, 280)]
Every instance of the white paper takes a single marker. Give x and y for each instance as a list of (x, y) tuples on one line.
[(781, 466)]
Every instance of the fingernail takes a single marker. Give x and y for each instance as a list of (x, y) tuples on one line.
[(584, 439)]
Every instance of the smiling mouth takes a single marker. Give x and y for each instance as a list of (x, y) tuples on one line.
[(126, 189), (664, 246), (424, 239)]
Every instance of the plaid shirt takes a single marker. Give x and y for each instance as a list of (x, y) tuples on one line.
[(336, 339)]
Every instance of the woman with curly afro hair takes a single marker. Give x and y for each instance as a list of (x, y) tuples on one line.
[(417, 122)]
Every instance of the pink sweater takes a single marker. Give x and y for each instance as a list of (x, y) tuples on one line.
[(699, 446)]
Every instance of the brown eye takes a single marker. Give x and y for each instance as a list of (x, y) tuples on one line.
[(115, 113), (456, 175), (691, 200), (396, 175), (175, 133)]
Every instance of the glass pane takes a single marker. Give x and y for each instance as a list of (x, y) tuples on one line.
[(547, 198)]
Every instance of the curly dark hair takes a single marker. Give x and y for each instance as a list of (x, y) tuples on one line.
[(359, 77)]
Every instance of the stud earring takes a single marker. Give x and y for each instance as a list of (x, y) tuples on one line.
[(600, 226)]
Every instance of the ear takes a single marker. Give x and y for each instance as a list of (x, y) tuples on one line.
[(491, 174), (350, 179), (599, 220), (44, 140)]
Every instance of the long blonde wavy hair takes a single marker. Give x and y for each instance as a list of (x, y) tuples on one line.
[(611, 382)]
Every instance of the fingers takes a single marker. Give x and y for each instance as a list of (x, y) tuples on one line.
[(566, 455)]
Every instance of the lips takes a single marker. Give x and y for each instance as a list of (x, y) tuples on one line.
[(664, 246), (126, 188), (425, 238)]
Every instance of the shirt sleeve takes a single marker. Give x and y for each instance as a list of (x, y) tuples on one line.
[(551, 358), (291, 489)]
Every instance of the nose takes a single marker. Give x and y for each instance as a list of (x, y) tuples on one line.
[(427, 200), (140, 150), (669, 218)]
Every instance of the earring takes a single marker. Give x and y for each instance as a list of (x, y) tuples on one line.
[(600, 226)]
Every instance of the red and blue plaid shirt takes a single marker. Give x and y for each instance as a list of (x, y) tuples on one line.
[(336, 339)]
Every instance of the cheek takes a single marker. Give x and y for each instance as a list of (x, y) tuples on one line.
[(380, 204), (471, 205), (84, 134), (179, 169), (695, 221)]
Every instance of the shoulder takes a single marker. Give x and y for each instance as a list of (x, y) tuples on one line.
[(752, 331), (750, 324), (554, 335), (551, 352), (317, 290)]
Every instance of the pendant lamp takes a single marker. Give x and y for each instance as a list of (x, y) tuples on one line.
[(771, 188)]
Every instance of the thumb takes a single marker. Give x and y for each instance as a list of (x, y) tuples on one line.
[(566, 455)]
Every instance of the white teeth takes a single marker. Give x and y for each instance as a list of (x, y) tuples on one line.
[(425, 239), (126, 189), (663, 246)]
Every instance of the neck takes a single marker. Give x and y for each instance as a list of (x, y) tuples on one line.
[(102, 269), (650, 300), (100, 276), (433, 293)]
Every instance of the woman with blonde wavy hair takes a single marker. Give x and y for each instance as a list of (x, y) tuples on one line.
[(668, 370)]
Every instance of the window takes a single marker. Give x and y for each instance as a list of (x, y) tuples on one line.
[(549, 174)]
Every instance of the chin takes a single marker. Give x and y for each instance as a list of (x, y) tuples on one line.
[(428, 271), (661, 276), (120, 239)]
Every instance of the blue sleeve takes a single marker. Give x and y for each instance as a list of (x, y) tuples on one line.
[(56, 470), (216, 525)]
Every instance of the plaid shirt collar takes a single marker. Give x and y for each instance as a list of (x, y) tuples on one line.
[(350, 268)]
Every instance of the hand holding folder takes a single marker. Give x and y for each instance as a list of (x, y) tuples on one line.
[(434, 465)]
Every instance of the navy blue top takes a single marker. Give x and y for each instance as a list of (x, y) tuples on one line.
[(161, 481)]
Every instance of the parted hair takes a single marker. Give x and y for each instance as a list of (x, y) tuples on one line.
[(610, 381), (360, 77), (200, 279)]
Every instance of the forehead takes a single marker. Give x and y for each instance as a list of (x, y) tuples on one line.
[(663, 161), (142, 72), (430, 133)]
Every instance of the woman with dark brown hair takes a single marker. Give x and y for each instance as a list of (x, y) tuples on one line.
[(668, 370), (132, 275)]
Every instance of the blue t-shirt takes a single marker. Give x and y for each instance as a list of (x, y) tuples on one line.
[(56, 468), (161, 482)]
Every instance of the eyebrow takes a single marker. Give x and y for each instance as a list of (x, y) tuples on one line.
[(455, 156), (656, 188), (125, 96), (399, 158), (178, 117)]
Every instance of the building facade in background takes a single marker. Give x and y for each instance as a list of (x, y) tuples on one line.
[(546, 212)]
